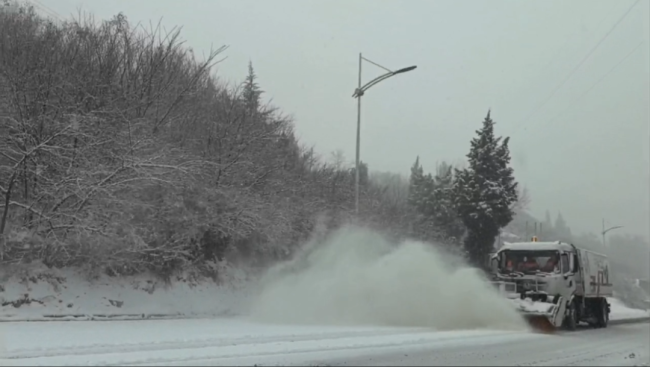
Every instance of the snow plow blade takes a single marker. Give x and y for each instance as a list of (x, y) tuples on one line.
[(544, 317), (540, 324)]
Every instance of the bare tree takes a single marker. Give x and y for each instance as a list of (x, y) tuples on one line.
[(338, 159)]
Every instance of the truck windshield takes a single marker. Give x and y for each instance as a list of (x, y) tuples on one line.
[(530, 261)]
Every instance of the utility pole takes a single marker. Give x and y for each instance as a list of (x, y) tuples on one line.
[(526, 229)]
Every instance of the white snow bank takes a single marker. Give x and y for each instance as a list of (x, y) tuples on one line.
[(619, 311), (356, 277), (35, 291)]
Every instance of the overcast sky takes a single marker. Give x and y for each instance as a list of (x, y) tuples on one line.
[(582, 150)]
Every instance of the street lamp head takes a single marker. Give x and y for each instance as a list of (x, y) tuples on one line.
[(611, 228), (404, 70)]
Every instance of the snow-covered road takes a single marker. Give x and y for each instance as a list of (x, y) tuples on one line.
[(213, 342), (620, 345)]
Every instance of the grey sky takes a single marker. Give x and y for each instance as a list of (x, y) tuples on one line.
[(584, 155)]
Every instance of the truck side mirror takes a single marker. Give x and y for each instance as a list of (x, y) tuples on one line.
[(572, 263)]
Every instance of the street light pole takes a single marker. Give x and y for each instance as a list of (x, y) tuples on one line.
[(358, 93), (607, 230), (356, 165)]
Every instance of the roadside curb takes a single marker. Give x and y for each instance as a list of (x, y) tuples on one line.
[(91, 317), (180, 316), (107, 317), (225, 313)]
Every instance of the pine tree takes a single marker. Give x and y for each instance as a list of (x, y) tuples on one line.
[(547, 221), (252, 92), (420, 195), (416, 184), (485, 192), (443, 207)]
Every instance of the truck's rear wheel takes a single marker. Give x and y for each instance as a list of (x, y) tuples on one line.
[(571, 318), (602, 314)]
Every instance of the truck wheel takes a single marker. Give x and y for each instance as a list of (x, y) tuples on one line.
[(571, 318), (603, 314)]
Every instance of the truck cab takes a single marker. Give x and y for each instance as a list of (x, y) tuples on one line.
[(538, 269)]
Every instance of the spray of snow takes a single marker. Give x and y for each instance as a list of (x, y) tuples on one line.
[(357, 277)]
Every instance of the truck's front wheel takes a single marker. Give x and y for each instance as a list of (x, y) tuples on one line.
[(571, 318)]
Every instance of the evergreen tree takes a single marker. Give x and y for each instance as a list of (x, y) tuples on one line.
[(485, 192), (251, 93), (548, 225), (416, 184), (443, 207), (420, 196)]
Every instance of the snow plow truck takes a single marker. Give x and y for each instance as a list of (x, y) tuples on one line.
[(554, 284)]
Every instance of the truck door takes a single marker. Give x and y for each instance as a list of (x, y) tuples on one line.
[(567, 272)]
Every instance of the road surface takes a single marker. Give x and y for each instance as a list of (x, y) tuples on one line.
[(211, 342), (622, 345)]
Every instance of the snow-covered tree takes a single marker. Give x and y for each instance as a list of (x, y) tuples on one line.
[(416, 185), (443, 208), (485, 192), (420, 195), (431, 199)]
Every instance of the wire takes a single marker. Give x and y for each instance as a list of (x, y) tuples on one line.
[(47, 11), (575, 101), (600, 42), (559, 51), (568, 152), (374, 63)]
